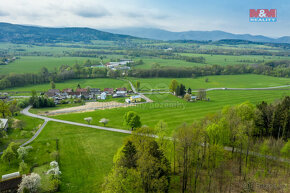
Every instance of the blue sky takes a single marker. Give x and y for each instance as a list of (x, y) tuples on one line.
[(179, 15)]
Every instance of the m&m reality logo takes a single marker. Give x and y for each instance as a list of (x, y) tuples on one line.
[(263, 15)]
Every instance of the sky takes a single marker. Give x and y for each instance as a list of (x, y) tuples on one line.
[(178, 15)]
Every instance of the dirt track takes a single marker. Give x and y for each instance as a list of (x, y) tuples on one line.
[(89, 106)]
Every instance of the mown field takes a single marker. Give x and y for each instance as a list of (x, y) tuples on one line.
[(85, 155), (209, 60), (93, 83), (220, 81), (176, 111), (33, 64)]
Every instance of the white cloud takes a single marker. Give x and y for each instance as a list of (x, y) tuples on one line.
[(91, 13), (102, 14)]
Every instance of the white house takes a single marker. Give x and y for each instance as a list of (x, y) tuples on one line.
[(103, 95), (3, 124)]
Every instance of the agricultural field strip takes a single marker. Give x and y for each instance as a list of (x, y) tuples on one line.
[(46, 119)]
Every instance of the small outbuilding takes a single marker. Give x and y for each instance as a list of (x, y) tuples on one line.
[(3, 124), (103, 96), (135, 99)]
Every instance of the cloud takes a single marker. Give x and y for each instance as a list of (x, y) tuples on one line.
[(91, 12), (170, 15), (3, 13)]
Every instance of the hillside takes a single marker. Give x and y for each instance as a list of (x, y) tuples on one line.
[(216, 35), (31, 34)]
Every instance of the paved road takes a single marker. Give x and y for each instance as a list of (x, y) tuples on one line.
[(46, 119)]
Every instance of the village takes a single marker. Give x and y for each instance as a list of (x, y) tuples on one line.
[(92, 94)]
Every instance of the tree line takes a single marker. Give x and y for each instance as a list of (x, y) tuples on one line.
[(77, 71)]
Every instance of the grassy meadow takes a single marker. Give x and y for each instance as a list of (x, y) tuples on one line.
[(219, 81), (176, 111), (85, 155), (33, 64), (18, 135)]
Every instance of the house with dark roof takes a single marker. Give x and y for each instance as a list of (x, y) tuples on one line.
[(52, 92), (95, 91), (67, 90), (121, 89)]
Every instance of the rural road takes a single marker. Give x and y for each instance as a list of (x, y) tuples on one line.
[(148, 100), (46, 119)]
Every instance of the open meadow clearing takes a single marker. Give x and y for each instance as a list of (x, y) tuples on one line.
[(33, 64), (85, 155), (219, 81), (176, 111)]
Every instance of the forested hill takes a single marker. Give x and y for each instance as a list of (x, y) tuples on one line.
[(31, 34)]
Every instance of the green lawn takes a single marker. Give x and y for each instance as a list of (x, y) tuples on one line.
[(20, 136), (85, 155), (219, 81), (176, 111), (209, 60), (93, 83), (31, 64)]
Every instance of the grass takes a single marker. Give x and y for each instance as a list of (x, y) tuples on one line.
[(219, 81), (176, 111), (28, 64), (86, 155), (93, 83), (210, 60), (20, 136)]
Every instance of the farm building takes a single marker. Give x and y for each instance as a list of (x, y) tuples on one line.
[(120, 94), (10, 182), (193, 98), (109, 90), (95, 91), (121, 89), (67, 90), (52, 92), (3, 124), (103, 96), (135, 99)]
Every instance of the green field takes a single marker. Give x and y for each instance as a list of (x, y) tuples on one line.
[(210, 60), (220, 81), (93, 83), (20, 136), (86, 155), (32, 64), (176, 111)]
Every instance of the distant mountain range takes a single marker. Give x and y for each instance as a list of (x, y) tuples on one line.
[(32, 34), (159, 34)]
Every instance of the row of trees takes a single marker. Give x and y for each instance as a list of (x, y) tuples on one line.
[(198, 71), (180, 90), (40, 101), (66, 72)]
